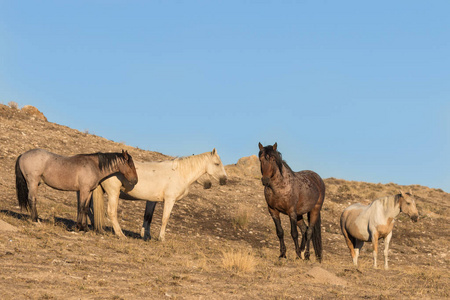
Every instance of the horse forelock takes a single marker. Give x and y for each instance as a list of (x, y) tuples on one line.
[(268, 150)]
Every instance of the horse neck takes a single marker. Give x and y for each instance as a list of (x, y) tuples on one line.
[(111, 168), (282, 179), (192, 167), (391, 206)]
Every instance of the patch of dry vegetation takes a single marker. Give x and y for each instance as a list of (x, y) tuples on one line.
[(221, 243)]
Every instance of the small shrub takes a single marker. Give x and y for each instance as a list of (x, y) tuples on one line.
[(343, 189), (239, 261), (241, 219), (13, 104)]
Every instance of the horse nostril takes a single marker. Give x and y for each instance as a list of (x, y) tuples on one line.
[(265, 181)]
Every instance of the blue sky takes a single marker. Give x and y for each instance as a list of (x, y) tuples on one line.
[(350, 89)]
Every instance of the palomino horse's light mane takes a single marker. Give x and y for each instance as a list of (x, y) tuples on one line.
[(188, 163), (389, 201)]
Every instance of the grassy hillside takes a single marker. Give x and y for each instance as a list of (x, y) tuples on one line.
[(221, 243)]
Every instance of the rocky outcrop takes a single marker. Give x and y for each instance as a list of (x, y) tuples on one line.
[(34, 112)]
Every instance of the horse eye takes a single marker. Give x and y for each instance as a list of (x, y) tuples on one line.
[(217, 164)]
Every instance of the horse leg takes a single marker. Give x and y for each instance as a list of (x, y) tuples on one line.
[(148, 216), (387, 240), (350, 244), (32, 192), (276, 219), (294, 232), (313, 218), (84, 197), (113, 203), (168, 205), (301, 224), (358, 245), (375, 247)]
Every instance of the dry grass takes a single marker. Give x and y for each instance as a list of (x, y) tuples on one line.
[(220, 243), (241, 218), (239, 261)]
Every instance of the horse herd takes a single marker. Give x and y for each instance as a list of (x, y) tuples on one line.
[(295, 194)]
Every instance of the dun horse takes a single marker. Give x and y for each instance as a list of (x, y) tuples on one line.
[(369, 223), (166, 181), (81, 173), (293, 194)]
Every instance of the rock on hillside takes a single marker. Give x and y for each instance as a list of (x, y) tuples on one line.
[(33, 112), (246, 166)]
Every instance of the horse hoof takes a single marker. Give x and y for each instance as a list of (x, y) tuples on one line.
[(282, 256)]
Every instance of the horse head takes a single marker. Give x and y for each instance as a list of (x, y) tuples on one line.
[(271, 161), (127, 168), (408, 205), (216, 169)]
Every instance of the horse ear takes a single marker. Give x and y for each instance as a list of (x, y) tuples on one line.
[(214, 151), (125, 154), (410, 191), (401, 193), (275, 147), (260, 146)]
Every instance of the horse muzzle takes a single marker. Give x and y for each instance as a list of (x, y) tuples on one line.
[(223, 180), (133, 181), (415, 218), (265, 181)]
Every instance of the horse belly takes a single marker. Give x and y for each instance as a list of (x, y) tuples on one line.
[(146, 191), (61, 180)]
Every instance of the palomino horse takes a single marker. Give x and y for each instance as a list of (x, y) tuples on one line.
[(293, 194), (81, 173), (150, 206), (368, 223), (166, 181)]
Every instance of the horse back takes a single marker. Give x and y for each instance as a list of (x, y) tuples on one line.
[(57, 171), (310, 190)]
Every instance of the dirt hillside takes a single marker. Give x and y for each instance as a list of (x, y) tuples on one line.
[(220, 242)]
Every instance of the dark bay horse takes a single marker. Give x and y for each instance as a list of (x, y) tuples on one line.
[(81, 173), (293, 194)]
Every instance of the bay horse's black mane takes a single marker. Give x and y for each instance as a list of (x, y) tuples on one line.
[(268, 150)]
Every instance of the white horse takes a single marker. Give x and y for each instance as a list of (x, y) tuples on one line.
[(369, 223), (166, 181)]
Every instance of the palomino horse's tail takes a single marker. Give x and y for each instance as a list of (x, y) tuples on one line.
[(98, 205), (21, 187), (317, 239)]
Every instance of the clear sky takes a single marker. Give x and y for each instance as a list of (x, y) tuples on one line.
[(356, 90)]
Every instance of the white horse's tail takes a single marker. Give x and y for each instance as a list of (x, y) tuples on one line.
[(98, 205)]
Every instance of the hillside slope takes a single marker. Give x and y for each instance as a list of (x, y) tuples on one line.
[(52, 261)]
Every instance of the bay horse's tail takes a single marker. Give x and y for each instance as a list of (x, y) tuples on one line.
[(98, 205), (317, 230), (21, 187), (317, 239)]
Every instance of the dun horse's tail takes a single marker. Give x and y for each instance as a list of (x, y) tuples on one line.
[(317, 239), (98, 205), (21, 187)]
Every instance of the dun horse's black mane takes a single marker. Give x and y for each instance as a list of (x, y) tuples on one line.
[(107, 160)]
